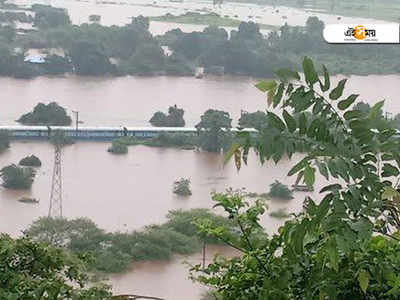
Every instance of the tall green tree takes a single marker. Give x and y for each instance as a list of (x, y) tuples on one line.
[(343, 246), (214, 130)]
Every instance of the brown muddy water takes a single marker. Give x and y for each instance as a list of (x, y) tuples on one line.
[(130, 191)]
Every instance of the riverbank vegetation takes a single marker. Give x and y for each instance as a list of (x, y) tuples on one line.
[(30, 161), (50, 114), (115, 252), (174, 118), (15, 177), (344, 246), (182, 187)]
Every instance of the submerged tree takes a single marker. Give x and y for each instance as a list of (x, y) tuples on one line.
[(15, 177), (50, 114), (280, 191), (214, 130), (345, 246), (182, 187), (30, 161), (174, 118)]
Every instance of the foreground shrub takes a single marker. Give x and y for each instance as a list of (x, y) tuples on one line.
[(31, 270)]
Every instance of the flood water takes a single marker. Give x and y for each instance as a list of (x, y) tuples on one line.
[(120, 12), (130, 191)]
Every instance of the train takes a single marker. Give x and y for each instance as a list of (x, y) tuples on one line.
[(100, 133)]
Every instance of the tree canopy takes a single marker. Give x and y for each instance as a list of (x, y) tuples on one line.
[(214, 130), (174, 118), (50, 114)]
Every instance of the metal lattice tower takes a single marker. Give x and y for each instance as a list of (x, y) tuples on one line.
[(55, 208)]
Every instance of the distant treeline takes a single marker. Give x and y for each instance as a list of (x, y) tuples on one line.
[(96, 50)]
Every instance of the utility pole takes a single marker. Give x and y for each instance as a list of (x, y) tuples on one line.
[(77, 122)]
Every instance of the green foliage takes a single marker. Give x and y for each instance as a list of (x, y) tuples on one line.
[(345, 246), (46, 114), (30, 161), (214, 133), (31, 270), (56, 64), (280, 191), (182, 187), (88, 58), (179, 140), (147, 60), (114, 252), (256, 120), (279, 214), (15, 177), (118, 147), (49, 17), (59, 139), (4, 140), (173, 119), (185, 222)]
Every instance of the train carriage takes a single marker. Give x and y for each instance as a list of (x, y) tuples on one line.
[(99, 133)]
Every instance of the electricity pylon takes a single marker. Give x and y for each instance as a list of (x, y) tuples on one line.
[(56, 205)]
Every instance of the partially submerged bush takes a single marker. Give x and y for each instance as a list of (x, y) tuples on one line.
[(30, 161), (279, 214), (114, 252), (15, 177), (182, 187), (280, 191), (118, 148)]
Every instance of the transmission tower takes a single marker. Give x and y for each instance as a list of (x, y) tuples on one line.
[(55, 208)]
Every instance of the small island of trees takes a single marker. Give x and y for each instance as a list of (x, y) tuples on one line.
[(182, 187), (279, 190), (174, 118), (30, 161), (50, 114)]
